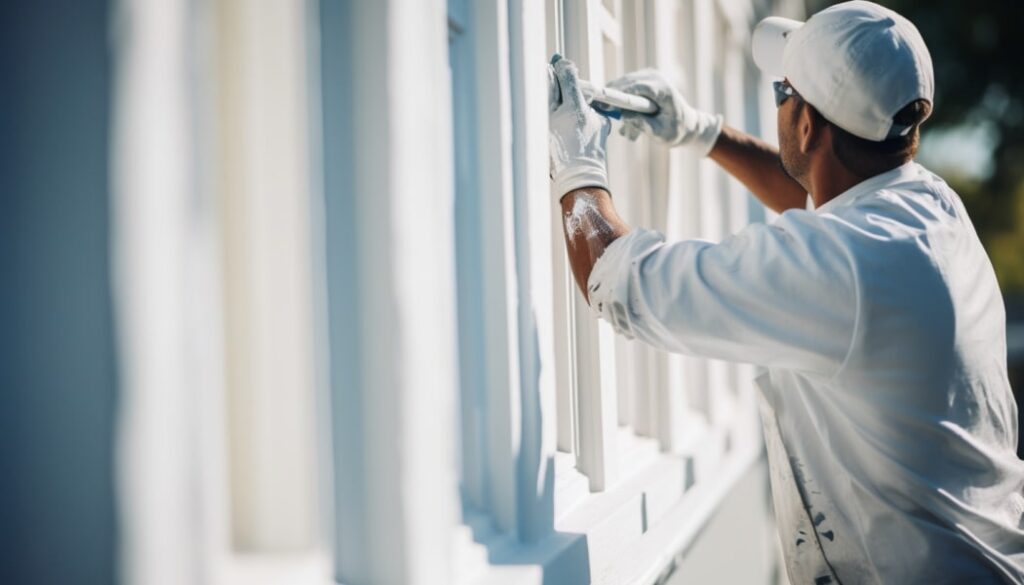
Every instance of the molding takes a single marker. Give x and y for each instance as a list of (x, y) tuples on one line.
[(645, 561), (603, 540)]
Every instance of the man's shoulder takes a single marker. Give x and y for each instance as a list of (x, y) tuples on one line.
[(916, 196), (907, 210)]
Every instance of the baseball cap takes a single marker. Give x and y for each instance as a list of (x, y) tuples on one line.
[(857, 63)]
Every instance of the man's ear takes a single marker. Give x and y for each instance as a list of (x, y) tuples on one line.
[(809, 128)]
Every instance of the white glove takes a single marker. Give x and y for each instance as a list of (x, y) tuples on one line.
[(576, 137), (676, 121)]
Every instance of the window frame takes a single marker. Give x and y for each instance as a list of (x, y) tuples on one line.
[(560, 467)]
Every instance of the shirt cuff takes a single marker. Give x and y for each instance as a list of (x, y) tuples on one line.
[(609, 284)]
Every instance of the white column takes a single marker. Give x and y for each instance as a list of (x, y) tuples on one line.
[(500, 285), (682, 394), (163, 286), (597, 396), (390, 259), (713, 199), (734, 96), (562, 282), (263, 185), (527, 30)]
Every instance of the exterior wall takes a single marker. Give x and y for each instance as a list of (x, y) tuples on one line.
[(738, 544), (578, 457), (223, 465), (333, 287)]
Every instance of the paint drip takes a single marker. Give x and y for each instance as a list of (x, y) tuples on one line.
[(584, 218)]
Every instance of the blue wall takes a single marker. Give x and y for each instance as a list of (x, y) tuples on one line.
[(57, 368)]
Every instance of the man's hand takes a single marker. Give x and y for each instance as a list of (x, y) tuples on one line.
[(577, 136), (676, 122)]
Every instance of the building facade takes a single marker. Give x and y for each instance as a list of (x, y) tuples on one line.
[(332, 292)]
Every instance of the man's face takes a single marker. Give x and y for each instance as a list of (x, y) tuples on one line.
[(794, 162)]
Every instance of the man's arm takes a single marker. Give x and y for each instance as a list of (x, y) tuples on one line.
[(755, 163), (590, 224), (778, 295), (576, 143)]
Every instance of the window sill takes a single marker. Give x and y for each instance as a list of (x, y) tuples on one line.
[(630, 531), (300, 568)]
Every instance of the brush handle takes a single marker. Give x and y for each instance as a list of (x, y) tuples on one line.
[(618, 99), (611, 98)]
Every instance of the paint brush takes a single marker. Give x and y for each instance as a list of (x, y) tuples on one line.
[(609, 101)]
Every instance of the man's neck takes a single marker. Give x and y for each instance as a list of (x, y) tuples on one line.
[(828, 180)]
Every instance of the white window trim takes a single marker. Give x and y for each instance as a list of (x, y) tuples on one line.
[(630, 477), (510, 161), (538, 510), (580, 470), (387, 163)]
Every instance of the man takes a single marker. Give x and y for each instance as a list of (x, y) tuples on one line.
[(890, 424)]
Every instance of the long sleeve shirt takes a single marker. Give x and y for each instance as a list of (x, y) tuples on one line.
[(889, 421)]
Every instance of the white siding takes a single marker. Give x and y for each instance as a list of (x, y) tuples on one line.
[(362, 356), (636, 432)]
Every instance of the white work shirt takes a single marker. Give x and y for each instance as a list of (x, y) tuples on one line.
[(889, 421)]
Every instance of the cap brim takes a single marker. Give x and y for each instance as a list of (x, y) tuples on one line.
[(769, 40)]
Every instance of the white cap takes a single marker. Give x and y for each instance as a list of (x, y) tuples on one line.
[(857, 63)]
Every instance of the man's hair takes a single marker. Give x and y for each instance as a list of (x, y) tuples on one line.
[(867, 158)]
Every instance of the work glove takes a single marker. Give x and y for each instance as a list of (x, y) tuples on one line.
[(676, 122), (577, 136)]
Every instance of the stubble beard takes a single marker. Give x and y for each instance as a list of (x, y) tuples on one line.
[(791, 163)]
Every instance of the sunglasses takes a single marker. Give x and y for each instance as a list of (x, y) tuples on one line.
[(783, 91)]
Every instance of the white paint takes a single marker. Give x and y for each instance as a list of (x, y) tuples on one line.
[(539, 331), (585, 219), (501, 287), (527, 28), (262, 187), (403, 510), (562, 291), (393, 405), (159, 260), (594, 361), (182, 161)]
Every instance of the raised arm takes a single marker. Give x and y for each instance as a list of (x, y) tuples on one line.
[(755, 163), (591, 224), (578, 167), (579, 175)]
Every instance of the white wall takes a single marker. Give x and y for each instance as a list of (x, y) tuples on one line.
[(738, 543), (579, 457), (361, 349)]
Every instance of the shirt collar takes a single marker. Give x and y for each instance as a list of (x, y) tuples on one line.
[(876, 183)]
